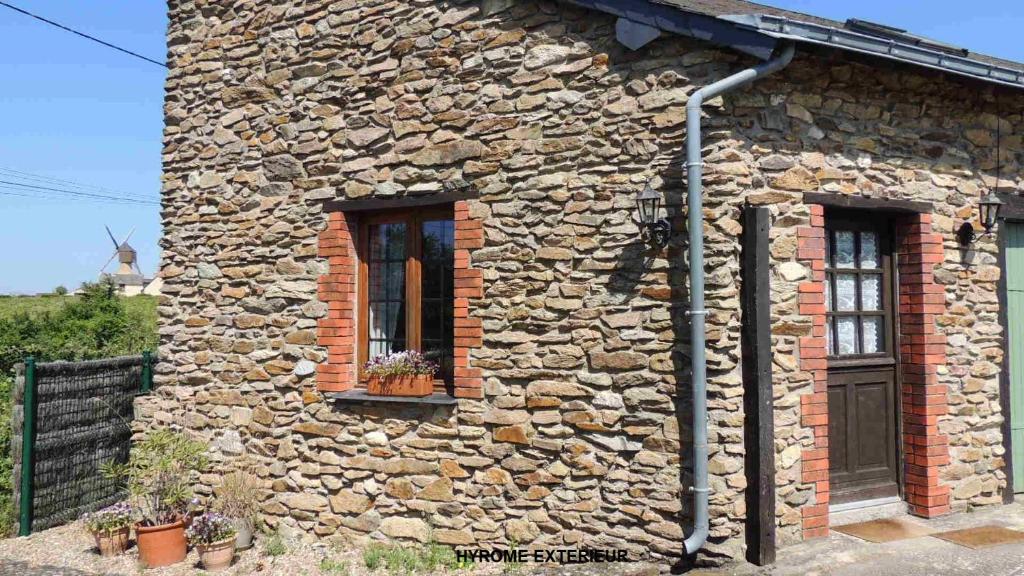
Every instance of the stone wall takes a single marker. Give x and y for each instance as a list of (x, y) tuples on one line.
[(273, 109)]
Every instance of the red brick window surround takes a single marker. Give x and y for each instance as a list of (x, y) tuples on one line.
[(338, 332), (922, 351)]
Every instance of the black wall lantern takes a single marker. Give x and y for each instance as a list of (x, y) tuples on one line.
[(648, 206), (988, 212)]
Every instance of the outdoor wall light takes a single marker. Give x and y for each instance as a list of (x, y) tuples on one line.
[(648, 206), (988, 209)]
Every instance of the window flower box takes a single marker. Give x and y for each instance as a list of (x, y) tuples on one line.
[(405, 373)]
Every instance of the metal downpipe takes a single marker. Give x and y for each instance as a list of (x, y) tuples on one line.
[(695, 225)]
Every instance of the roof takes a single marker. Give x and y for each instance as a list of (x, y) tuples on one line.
[(746, 26), (719, 8)]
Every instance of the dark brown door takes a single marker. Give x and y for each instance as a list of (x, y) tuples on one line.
[(862, 359)]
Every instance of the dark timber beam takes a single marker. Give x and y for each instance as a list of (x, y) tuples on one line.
[(759, 424), (362, 205), (836, 200)]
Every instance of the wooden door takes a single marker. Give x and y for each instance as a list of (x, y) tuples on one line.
[(1015, 346), (862, 394)]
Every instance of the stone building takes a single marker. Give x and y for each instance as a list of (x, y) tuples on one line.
[(344, 177)]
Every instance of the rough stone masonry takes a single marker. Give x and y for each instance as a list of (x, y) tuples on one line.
[(581, 437)]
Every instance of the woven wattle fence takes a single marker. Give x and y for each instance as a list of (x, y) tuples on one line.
[(81, 419)]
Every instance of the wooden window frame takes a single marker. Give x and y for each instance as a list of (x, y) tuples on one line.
[(413, 219), (887, 354)]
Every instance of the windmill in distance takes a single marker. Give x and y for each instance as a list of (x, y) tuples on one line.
[(128, 278)]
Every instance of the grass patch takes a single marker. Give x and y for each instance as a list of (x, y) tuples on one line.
[(401, 560), (275, 546), (332, 566)]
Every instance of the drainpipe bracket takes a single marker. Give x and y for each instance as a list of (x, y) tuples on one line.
[(696, 312)]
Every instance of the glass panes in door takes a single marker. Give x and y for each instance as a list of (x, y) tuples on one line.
[(855, 284)]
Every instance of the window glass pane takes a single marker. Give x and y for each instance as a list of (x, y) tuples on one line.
[(868, 250), (846, 292), (437, 305), (829, 343), (871, 292), (844, 249), (846, 335), (873, 334), (828, 294), (386, 283)]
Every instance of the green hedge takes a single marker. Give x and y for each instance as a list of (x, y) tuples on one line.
[(95, 324)]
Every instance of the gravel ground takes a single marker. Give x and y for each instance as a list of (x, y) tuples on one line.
[(70, 550)]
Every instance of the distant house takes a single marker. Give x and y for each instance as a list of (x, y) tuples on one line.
[(349, 177)]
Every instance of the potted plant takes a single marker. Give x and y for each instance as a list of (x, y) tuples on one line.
[(405, 373), (158, 476), (213, 535), (111, 527), (238, 498)]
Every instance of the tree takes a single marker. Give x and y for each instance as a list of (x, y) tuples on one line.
[(60, 290)]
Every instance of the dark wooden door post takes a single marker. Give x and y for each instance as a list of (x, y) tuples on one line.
[(759, 428)]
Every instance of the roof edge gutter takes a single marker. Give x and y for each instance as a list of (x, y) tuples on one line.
[(892, 49), (695, 225), (677, 21)]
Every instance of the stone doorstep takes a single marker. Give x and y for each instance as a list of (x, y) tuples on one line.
[(866, 510)]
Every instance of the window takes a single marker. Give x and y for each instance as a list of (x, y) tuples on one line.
[(406, 286), (857, 296)]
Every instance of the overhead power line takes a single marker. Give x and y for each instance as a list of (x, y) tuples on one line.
[(46, 192), (13, 174), (82, 34)]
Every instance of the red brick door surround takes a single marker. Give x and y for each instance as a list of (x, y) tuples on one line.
[(923, 399)]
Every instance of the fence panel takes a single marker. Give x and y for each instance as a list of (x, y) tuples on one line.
[(81, 419)]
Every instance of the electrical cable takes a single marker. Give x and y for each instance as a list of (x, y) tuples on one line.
[(82, 34)]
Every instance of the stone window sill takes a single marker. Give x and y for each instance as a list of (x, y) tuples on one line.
[(358, 396)]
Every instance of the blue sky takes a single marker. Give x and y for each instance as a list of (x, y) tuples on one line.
[(75, 110)]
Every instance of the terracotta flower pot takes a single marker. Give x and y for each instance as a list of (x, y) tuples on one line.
[(161, 545), (401, 385), (217, 555), (112, 543)]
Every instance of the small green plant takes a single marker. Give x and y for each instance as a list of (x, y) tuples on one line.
[(332, 566), (373, 556), (275, 546), (514, 566)]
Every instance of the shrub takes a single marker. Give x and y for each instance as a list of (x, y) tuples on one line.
[(96, 324), (109, 519), (209, 528), (159, 474), (399, 363)]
